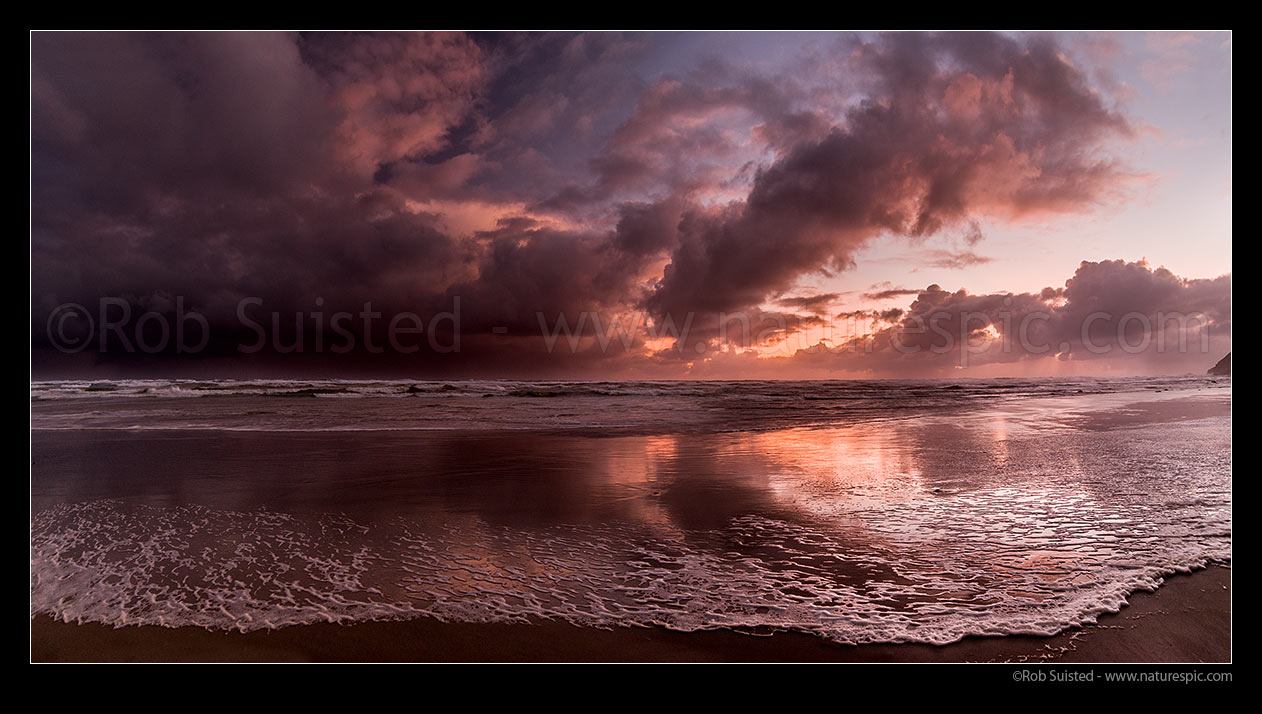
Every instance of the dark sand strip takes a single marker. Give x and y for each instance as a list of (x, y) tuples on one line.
[(1187, 620)]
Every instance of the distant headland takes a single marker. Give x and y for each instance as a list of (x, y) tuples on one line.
[(1223, 368)]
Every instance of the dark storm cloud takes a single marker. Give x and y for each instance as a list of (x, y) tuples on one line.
[(527, 269), (120, 121), (529, 174), (814, 303), (1156, 299), (956, 126), (549, 107), (222, 166), (672, 142), (1107, 310)]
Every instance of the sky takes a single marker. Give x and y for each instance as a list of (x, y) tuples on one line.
[(620, 206)]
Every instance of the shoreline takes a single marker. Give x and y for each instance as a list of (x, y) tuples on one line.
[(1187, 619)]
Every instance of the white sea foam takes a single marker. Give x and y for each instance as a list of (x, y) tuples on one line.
[(339, 405), (1031, 513), (125, 565)]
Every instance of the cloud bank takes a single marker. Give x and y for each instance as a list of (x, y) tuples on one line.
[(519, 179)]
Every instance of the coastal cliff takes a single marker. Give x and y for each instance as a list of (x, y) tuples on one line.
[(1223, 368)]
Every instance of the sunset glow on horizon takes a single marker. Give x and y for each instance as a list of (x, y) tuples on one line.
[(909, 348), (630, 206)]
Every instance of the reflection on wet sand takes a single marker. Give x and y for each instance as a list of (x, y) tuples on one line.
[(1025, 518)]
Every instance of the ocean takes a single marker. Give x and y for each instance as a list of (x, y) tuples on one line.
[(861, 512)]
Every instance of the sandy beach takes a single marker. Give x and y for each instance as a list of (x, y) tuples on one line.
[(1188, 619), (242, 541), (619, 346)]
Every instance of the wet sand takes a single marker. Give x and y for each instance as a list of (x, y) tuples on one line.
[(1072, 485), (1188, 619)]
